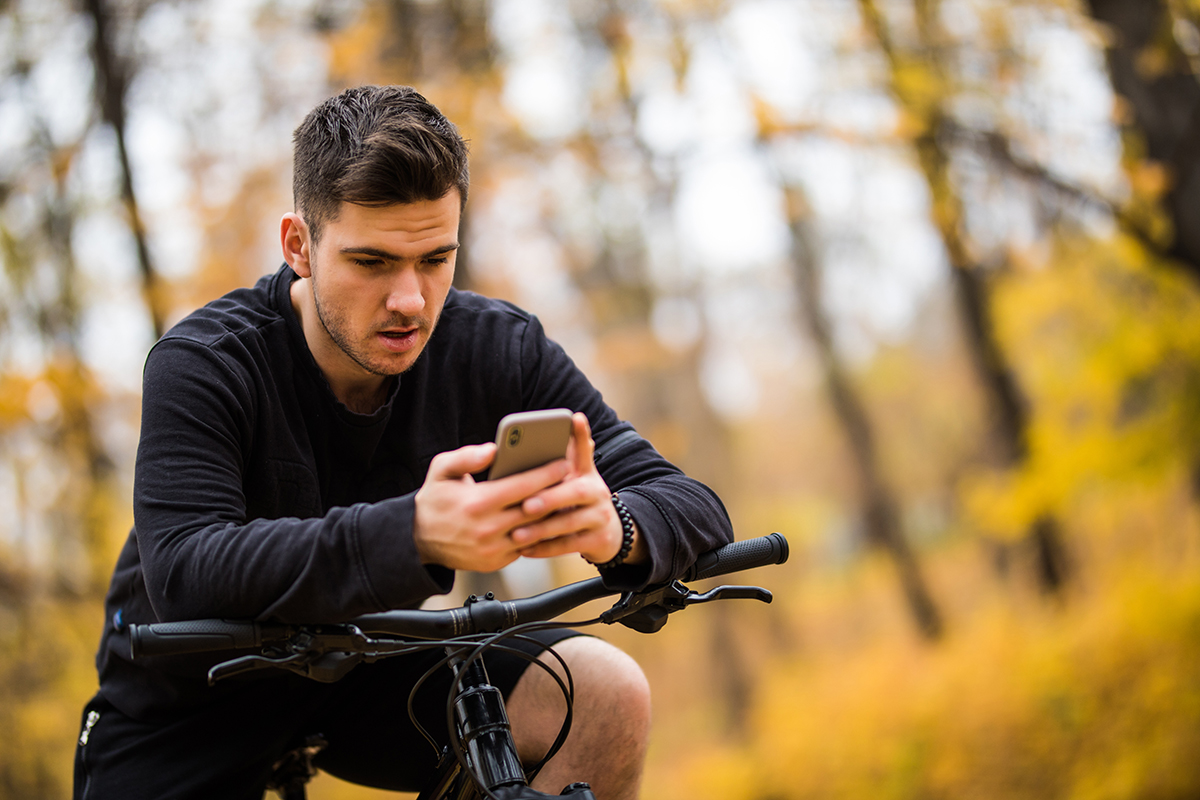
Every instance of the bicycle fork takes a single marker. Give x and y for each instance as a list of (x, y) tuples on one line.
[(483, 727), (486, 735)]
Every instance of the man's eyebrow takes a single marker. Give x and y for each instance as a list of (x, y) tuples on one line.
[(389, 256)]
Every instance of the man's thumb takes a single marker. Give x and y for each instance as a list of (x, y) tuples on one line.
[(455, 464)]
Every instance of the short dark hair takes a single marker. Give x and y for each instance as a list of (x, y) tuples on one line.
[(375, 146)]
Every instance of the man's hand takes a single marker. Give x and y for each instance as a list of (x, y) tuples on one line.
[(562, 507), (576, 515), (462, 524)]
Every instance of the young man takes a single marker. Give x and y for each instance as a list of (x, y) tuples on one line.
[(307, 454)]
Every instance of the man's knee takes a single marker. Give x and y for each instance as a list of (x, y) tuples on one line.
[(612, 704), (607, 680), (611, 695)]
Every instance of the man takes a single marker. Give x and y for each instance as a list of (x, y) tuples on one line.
[(307, 454)]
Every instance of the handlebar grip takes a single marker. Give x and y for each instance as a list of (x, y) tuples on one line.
[(747, 554), (193, 636)]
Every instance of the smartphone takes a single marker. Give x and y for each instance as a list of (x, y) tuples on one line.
[(530, 439)]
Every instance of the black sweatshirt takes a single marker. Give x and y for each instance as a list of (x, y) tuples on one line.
[(258, 495)]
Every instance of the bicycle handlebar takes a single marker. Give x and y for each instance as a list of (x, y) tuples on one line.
[(197, 636), (737, 556), (200, 636)]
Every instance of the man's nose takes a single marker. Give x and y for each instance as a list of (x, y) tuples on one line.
[(404, 295)]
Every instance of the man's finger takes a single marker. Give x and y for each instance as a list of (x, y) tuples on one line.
[(568, 494), (576, 520), (512, 490), (549, 548), (585, 447)]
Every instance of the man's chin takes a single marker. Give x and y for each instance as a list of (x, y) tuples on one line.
[(397, 364)]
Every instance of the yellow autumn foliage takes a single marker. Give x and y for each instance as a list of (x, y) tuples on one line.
[(1098, 699), (46, 675), (1105, 342)]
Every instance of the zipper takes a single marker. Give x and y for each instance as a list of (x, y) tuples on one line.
[(92, 718)]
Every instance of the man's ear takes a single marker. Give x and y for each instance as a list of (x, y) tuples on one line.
[(296, 242)]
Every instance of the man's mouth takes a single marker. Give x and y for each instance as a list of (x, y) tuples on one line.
[(399, 341)]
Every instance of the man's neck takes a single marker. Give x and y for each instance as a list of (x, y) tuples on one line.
[(363, 399)]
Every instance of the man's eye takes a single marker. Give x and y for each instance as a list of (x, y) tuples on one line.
[(436, 262), (368, 263)]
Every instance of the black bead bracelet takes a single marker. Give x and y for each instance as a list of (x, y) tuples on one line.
[(626, 535)]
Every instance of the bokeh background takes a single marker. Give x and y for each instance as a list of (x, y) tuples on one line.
[(914, 282)]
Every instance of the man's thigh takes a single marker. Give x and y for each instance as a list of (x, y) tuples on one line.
[(223, 749), (228, 746)]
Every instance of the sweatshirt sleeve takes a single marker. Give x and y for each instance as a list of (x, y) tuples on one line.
[(679, 517), (204, 555)]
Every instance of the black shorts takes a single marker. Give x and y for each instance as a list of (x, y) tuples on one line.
[(227, 749)]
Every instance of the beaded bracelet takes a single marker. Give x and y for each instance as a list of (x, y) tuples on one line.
[(626, 535)]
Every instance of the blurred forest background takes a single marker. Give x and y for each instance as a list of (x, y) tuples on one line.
[(914, 282)]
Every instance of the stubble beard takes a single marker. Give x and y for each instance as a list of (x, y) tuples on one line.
[(334, 324)]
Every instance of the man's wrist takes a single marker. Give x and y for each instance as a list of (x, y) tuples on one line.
[(628, 535)]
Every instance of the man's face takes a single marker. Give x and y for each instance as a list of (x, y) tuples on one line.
[(379, 278)]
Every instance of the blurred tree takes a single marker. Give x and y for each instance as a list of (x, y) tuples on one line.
[(113, 73), (881, 517), (879, 508), (57, 399), (923, 86), (661, 389), (1153, 52), (59, 475), (1152, 49)]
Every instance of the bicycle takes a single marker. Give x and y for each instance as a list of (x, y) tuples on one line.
[(481, 760)]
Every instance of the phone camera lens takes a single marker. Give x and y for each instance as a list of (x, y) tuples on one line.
[(514, 437)]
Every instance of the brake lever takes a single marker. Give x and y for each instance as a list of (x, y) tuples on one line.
[(647, 612), (237, 666), (730, 593), (312, 654), (324, 668)]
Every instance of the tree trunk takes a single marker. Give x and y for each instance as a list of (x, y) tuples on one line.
[(880, 514), (1150, 71), (1008, 414), (1006, 406), (112, 86), (661, 396)]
